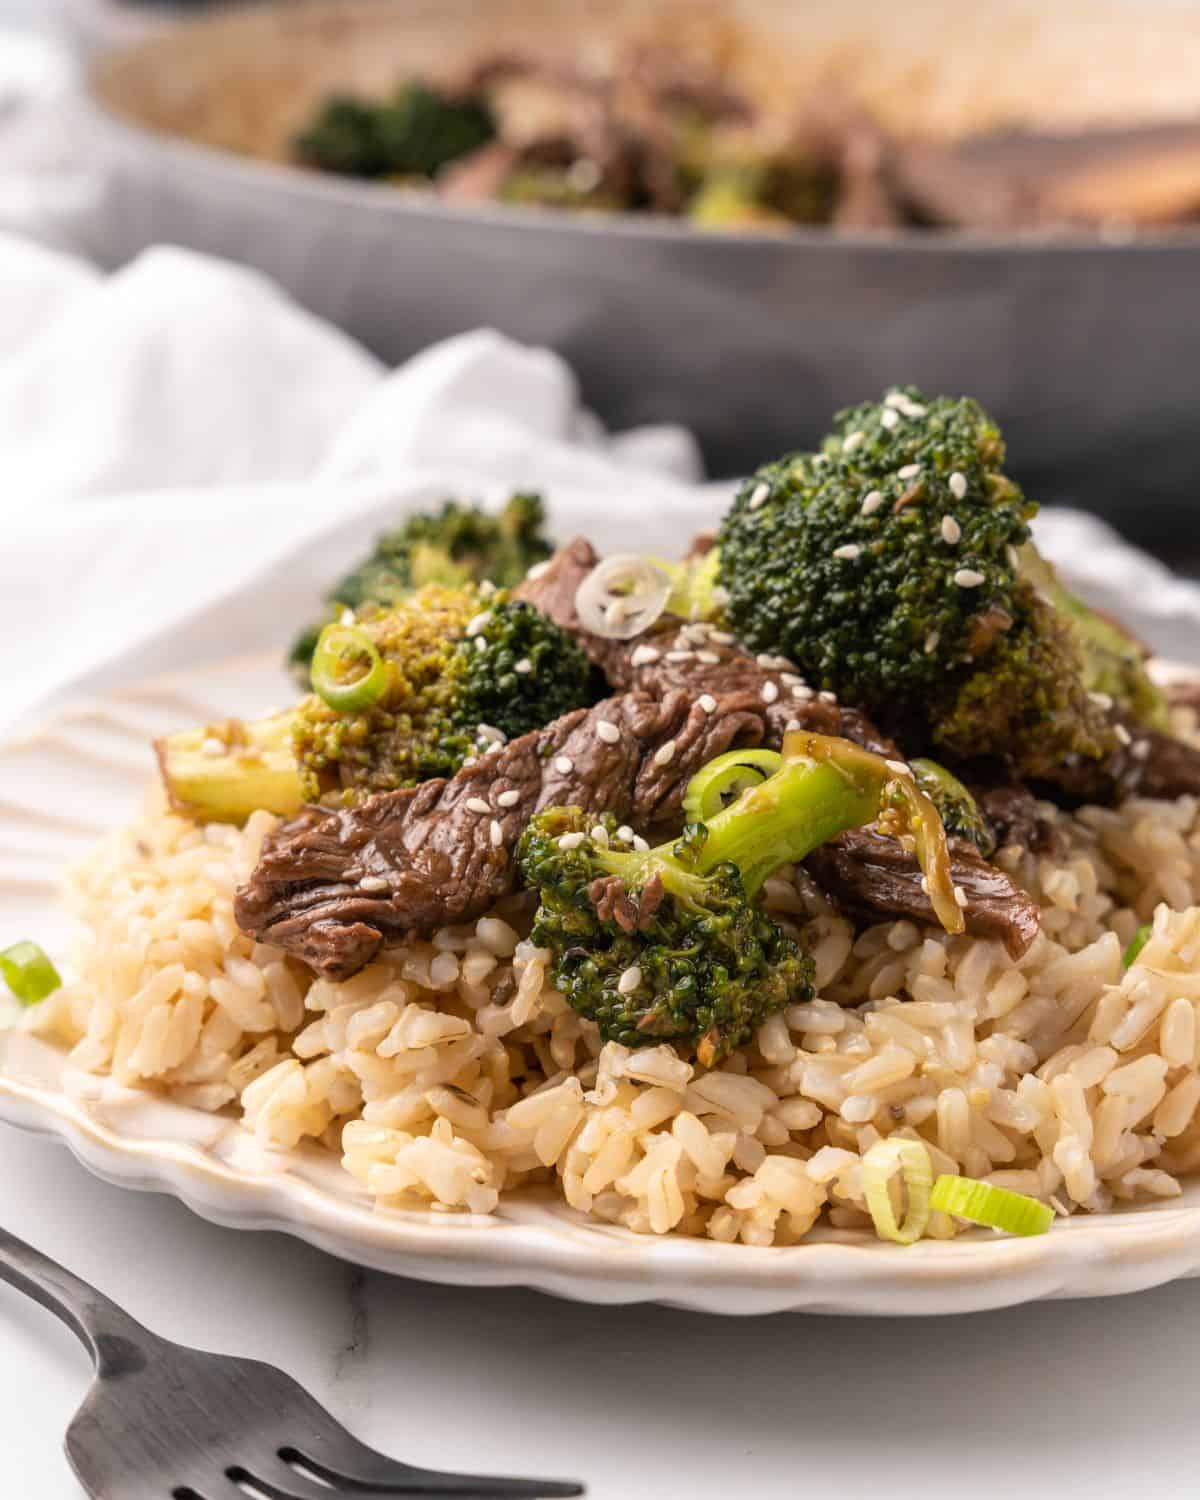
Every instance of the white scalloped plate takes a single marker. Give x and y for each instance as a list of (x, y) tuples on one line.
[(86, 772)]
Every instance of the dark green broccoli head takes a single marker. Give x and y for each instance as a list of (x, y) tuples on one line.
[(956, 807), (650, 949), (455, 671), (888, 567), (839, 560), (456, 546), (414, 134)]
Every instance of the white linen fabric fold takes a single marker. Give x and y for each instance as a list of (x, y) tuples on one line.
[(187, 460)]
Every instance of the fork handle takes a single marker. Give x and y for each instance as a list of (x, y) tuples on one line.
[(108, 1333)]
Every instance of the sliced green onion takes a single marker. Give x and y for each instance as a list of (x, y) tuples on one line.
[(995, 1207), (1139, 940), (879, 1166), (718, 783), (347, 671), (28, 973)]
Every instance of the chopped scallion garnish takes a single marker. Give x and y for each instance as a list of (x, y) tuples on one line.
[(879, 1167), (994, 1207), (347, 671), (1139, 940), (722, 780), (28, 973)]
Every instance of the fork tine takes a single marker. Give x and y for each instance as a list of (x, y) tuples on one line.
[(371, 1473)]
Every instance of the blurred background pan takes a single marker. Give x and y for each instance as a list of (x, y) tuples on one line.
[(1084, 344)]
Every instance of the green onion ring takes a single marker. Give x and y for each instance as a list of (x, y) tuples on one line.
[(337, 646), (1136, 943), (732, 772), (28, 973), (879, 1165), (997, 1208)]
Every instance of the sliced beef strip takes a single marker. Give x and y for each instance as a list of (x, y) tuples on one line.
[(868, 876), (1158, 765), (335, 887), (1012, 814), (693, 658)]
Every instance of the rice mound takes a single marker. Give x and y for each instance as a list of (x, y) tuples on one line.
[(451, 1072)]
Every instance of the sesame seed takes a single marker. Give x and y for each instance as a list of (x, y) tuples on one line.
[(909, 471), (792, 725), (492, 749), (848, 551), (665, 754), (564, 765), (570, 841), (710, 658), (790, 679), (608, 732), (1014, 557), (770, 691), (895, 398), (372, 883), (827, 696), (599, 835), (960, 895), (898, 767), (625, 833), (1123, 734), (680, 655), (212, 747), (524, 666), (471, 760), (872, 500), (480, 643), (490, 732), (775, 663), (496, 834), (958, 485), (722, 637), (477, 805), (538, 569), (968, 578), (707, 702), (925, 885), (1141, 750), (758, 495), (1101, 700), (802, 691), (719, 596), (951, 530), (643, 656), (855, 440), (931, 642), (629, 980), (911, 408), (640, 844), (509, 798), (479, 622), (346, 617), (486, 589), (889, 418)]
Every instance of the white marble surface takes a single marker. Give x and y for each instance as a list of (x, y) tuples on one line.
[(639, 1402)]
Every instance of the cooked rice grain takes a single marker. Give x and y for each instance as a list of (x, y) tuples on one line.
[(450, 1072)]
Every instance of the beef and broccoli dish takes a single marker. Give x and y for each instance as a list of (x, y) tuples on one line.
[(654, 131), (718, 894)]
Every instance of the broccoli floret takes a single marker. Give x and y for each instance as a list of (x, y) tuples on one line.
[(669, 944), (956, 807), (458, 668), (413, 134), (457, 545), (454, 672), (889, 568)]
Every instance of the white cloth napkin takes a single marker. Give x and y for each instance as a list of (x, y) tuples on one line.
[(187, 460)]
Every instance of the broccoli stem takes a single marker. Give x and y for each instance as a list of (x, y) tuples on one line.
[(824, 786)]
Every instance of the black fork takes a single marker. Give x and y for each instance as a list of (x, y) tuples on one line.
[(165, 1422)]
